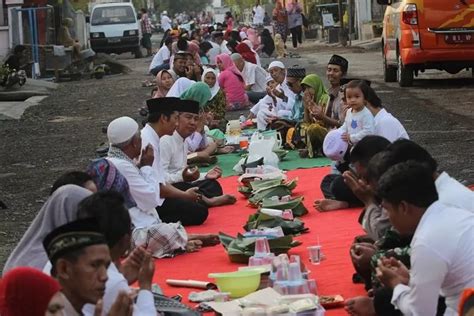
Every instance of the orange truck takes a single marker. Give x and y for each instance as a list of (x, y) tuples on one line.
[(426, 34)]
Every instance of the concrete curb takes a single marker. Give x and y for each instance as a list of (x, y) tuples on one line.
[(13, 110)]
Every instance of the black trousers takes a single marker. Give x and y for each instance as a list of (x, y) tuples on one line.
[(185, 211), (209, 188), (334, 188), (297, 35)]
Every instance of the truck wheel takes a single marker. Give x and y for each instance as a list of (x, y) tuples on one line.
[(138, 52), (405, 75), (389, 73)]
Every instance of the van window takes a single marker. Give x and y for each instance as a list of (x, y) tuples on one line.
[(113, 15)]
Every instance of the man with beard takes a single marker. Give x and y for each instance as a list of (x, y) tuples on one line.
[(335, 73)]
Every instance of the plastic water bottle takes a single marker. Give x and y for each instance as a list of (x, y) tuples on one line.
[(242, 118)]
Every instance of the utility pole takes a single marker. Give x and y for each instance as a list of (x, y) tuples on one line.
[(342, 32)]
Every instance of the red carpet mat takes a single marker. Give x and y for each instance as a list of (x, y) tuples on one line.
[(335, 230)]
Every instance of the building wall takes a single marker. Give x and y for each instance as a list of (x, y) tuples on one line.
[(4, 41)]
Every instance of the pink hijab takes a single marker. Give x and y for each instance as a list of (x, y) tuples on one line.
[(229, 65), (253, 37), (193, 48)]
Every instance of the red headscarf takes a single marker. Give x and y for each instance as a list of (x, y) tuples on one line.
[(26, 291), (246, 53)]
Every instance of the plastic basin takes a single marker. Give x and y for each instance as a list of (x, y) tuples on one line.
[(238, 283)]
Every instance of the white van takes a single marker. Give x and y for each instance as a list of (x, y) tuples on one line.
[(114, 28)]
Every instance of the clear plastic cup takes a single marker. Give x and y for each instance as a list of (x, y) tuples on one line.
[(313, 288), (315, 254), (294, 272), (262, 248), (281, 288)]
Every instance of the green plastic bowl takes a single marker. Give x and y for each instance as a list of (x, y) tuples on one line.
[(238, 283)]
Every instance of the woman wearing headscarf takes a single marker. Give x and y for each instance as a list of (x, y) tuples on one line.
[(315, 101), (280, 16), (244, 50), (253, 38), (164, 82), (199, 92), (59, 209), (230, 80), (179, 86), (26, 291), (217, 103), (268, 45), (161, 239)]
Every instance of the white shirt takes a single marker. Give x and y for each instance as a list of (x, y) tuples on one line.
[(165, 23), (453, 193), (149, 136), (145, 190), (116, 283), (358, 124), (259, 14), (288, 105), (174, 157), (442, 262), (386, 125), (254, 76), (160, 57)]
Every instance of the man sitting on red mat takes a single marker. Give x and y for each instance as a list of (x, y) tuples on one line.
[(450, 193), (173, 158)]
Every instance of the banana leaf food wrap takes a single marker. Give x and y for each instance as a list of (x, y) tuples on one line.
[(294, 204), (262, 189), (240, 249), (260, 220)]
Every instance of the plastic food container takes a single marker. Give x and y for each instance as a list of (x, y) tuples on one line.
[(238, 283)]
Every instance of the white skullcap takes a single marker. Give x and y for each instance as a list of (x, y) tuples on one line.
[(121, 130), (276, 63), (333, 146)]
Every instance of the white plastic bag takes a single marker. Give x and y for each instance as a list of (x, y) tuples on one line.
[(260, 146)]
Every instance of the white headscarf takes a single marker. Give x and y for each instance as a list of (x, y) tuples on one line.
[(180, 85), (215, 89), (58, 210)]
